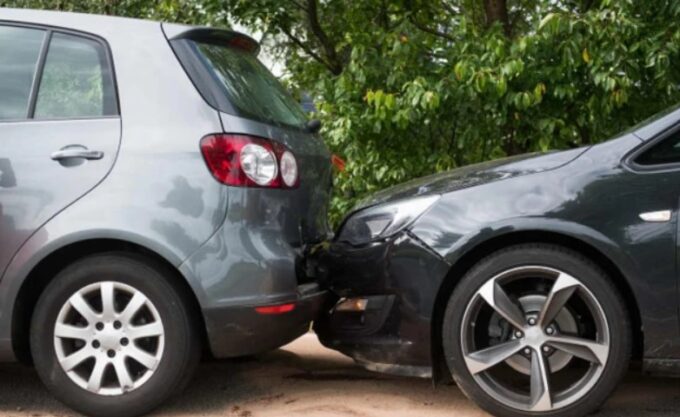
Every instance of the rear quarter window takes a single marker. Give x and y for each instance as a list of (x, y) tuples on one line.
[(76, 80), (663, 153)]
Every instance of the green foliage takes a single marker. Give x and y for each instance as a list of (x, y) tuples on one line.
[(406, 88), (431, 86)]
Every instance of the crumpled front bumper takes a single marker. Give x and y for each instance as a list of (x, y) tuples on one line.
[(399, 278)]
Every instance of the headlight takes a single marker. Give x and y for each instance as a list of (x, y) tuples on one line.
[(385, 220)]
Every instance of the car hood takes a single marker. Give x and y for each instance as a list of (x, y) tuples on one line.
[(472, 175)]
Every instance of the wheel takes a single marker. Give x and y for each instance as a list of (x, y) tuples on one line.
[(111, 336), (536, 330)]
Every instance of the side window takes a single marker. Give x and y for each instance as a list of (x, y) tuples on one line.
[(19, 54), (76, 80), (665, 152)]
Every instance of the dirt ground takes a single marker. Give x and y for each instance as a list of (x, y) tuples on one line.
[(305, 379)]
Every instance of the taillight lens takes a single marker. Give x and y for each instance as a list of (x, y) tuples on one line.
[(259, 164), (246, 161), (289, 169)]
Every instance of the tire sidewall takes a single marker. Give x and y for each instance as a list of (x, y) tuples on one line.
[(178, 333), (553, 257)]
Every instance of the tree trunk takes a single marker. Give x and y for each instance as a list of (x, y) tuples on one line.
[(497, 11), (328, 46)]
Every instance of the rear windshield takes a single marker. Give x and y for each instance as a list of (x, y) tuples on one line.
[(249, 86)]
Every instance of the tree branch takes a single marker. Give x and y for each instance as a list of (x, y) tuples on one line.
[(430, 30), (384, 16), (309, 51), (327, 45), (587, 4), (412, 11), (299, 5)]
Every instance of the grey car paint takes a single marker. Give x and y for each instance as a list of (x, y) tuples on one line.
[(159, 194), (30, 201)]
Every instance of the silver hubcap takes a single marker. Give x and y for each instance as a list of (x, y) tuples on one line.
[(109, 338), (524, 363)]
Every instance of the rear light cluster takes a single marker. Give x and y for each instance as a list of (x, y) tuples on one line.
[(247, 161)]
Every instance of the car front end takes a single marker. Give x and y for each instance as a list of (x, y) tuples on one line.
[(385, 280), (384, 273)]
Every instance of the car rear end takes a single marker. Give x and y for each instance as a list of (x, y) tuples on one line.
[(257, 293)]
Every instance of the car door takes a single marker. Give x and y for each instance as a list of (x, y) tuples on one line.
[(59, 126)]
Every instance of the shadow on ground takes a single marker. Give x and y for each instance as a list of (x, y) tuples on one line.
[(304, 379)]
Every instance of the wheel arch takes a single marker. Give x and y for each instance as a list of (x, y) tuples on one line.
[(47, 268), (483, 249)]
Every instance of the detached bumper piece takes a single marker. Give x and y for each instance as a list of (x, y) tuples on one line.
[(246, 330), (356, 317)]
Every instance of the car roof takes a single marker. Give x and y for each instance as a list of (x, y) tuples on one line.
[(71, 20), (658, 123), (101, 25)]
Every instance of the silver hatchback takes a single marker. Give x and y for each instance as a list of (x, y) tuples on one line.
[(158, 192)]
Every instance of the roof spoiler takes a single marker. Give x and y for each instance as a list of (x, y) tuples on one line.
[(214, 36)]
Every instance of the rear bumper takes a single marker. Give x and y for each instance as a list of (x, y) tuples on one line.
[(243, 267), (240, 330)]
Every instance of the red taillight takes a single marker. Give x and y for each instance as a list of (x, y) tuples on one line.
[(244, 43), (246, 161), (279, 309)]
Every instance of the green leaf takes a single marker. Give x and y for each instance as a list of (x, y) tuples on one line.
[(389, 101), (539, 90), (547, 19), (460, 70), (585, 55), (502, 86)]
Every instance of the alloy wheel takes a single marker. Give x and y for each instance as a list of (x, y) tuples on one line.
[(109, 338), (535, 338)]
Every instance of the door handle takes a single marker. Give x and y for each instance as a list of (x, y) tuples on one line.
[(76, 153)]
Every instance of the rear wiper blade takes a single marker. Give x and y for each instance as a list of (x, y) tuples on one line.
[(313, 126)]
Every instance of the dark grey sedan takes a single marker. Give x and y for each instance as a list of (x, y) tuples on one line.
[(530, 281), (158, 189)]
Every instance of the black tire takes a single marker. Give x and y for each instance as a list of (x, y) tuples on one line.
[(562, 259), (180, 354)]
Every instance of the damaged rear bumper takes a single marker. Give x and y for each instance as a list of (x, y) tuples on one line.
[(243, 330)]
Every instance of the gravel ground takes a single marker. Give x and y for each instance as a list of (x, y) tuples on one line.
[(305, 379)]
